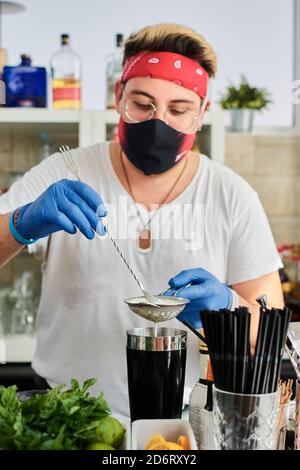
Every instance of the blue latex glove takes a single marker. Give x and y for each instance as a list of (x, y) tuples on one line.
[(205, 293), (65, 205)]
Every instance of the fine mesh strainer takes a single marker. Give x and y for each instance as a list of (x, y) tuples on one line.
[(169, 307)]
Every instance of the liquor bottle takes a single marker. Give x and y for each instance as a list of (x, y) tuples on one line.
[(2, 59), (201, 403), (66, 77), (26, 85), (113, 71)]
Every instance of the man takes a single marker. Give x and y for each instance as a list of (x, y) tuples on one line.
[(143, 183)]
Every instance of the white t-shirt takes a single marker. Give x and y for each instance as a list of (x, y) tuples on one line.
[(82, 319)]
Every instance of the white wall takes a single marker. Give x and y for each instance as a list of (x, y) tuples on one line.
[(253, 37)]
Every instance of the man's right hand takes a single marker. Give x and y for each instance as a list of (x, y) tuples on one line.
[(65, 205)]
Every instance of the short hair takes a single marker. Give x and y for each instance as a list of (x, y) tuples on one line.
[(170, 37)]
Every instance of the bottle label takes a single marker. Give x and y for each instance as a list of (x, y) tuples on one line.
[(66, 94), (201, 419)]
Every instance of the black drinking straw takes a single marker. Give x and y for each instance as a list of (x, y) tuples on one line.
[(245, 339), (228, 352), (238, 345), (265, 382), (257, 350), (217, 315), (240, 320), (215, 325), (208, 331), (222, 347), (261, 370), (228, 341), (276, 351), (234, 349), (287, 314)]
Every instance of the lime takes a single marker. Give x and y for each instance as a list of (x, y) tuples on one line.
[(99, 446), (110, 431)]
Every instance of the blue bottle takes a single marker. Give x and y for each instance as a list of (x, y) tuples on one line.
[(26, 86)]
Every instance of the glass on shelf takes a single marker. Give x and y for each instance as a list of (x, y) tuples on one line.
[(19, 317), (23, 300), (47, 142), (5, 317), (114, 69)]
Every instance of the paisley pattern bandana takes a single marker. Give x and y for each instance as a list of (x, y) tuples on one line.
[(170, 66)]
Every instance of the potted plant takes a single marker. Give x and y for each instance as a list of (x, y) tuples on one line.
[(242, 101)]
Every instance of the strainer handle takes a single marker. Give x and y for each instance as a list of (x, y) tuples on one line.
[(178, 290)]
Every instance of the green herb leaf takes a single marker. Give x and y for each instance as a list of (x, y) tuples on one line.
[(59, 419)]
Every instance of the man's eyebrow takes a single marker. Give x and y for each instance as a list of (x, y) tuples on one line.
[(144, 93), (183, 101), (140, 92)]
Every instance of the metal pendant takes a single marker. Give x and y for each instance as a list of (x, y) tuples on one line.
[(144, 240)]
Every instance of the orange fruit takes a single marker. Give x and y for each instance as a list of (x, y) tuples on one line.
[(184, 442), (163, 446), (173, 446), (166, 446), (156, 440)]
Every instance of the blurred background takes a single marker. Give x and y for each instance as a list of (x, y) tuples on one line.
[(254, 38), (59, 60)]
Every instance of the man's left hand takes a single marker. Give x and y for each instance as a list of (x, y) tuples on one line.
[(206, 292)]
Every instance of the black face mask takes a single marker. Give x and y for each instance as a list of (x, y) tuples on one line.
[(153, 146)]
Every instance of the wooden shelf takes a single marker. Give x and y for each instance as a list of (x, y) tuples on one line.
[(38, 116)]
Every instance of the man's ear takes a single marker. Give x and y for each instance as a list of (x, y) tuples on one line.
[(207, 106), (118, 94)]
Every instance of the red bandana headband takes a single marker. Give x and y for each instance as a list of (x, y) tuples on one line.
[(169, 66)]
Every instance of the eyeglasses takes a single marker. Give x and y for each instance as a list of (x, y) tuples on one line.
[(176, 116)]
